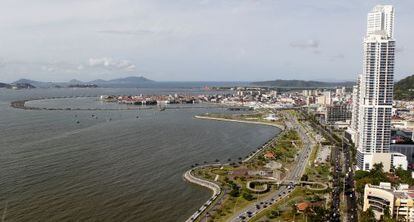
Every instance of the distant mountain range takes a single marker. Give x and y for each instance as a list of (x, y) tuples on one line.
[(17, 86), (404, 89), (132, 81), (4, 85), (301, 84)]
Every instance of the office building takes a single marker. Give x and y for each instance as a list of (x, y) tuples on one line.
[(398, 201)]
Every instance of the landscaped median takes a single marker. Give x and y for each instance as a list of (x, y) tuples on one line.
[(263, 172)]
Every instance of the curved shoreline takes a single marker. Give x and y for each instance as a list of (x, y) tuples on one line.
[(204, 183), (213, 186), (240, 121), (21, 104), (260, 149)]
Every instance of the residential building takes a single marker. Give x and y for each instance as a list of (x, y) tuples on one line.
[(337, 112), (374, 102)]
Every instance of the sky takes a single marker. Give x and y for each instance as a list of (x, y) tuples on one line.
[(192, 40)]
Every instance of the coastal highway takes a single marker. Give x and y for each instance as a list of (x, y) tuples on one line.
[(294, 175)]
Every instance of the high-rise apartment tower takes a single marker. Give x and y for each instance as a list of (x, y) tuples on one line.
[(374, 92)]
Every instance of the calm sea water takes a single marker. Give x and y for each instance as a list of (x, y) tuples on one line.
[(126, 169)]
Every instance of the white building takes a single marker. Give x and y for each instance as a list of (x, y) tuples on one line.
[(381, 19), (399, 160), (375, 91), (399, 201)]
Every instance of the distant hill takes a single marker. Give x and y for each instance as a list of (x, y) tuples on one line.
[(128, 81), (34, 83), (301, 84), (404, 89), (23, 86), (17, 85), (4, 85), (132, 81)]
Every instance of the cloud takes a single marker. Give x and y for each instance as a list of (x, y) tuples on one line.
[(399, 49), (127, 32), (58, 67), (317, 52), (337, 57), (111, 64), (2, 63), (312, 44)]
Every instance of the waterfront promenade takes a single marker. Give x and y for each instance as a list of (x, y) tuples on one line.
[(213, 186), (240, 121), (205, 183), (22, 104)]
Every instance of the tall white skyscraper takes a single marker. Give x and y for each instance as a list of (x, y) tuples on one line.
[(374, 91), (381, 21)]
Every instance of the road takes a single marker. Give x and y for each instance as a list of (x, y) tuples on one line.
[(336, 191), (294, 175), (351, 202), (349, 191)]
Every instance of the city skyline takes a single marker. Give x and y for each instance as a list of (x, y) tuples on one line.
[(189, 41)]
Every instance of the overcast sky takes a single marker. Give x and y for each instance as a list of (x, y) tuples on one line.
[(192, 40)]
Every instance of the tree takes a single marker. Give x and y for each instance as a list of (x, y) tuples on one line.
[(377, 168), (248, 196), (305, 177), (319, 214), (235, 190), (387, 216), (274, 214), (368, 215), (404, 175)]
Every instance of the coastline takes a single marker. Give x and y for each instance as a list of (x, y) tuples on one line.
[(213, 186), (281, 127), (21, 104), (240, 121), (204, 183)]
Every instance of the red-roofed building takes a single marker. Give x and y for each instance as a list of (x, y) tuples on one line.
[(269, 155)]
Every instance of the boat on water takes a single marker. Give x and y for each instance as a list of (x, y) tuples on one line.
[(161, 107)]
